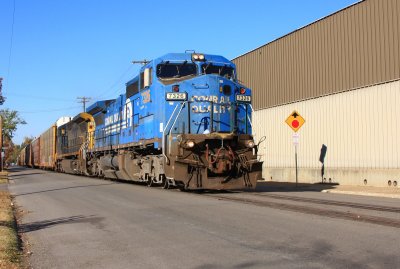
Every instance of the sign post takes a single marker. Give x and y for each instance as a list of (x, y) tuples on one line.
[(295, 121), (296, 139)]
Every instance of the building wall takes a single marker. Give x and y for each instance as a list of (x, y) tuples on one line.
[(355, 47), (359, 127)]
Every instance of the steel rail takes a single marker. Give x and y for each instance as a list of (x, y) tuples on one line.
[(346, 215), (330, 202)]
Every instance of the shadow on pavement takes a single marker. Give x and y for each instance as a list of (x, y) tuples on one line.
[(24, 175), (66, 188), (273, 186), (14, 169), (243, 265), (39, 225)]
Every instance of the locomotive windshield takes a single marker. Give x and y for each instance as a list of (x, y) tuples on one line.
[(221, 70), (176, 70)]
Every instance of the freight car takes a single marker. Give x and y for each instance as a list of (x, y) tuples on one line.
[(25, 157), (184, 120), (41, 152), (21, 158), (47, 151), (35, 147)]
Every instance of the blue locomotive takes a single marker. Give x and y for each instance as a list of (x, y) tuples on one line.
[(183, 121)]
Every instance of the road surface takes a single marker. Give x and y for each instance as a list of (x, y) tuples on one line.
[(81, 222)]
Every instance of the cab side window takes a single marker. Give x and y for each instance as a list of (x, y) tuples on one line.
[(146, 78), (132, 89)]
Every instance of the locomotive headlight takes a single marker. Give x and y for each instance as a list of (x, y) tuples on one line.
[(198, 57), (190, 144), (250, 144)]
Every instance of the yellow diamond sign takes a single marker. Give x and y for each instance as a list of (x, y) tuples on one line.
[(295, 121)]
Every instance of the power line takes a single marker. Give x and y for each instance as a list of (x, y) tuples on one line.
[(39, 97), (48, 110), (112, 94), (11, 45), (115, 83), (84, 100)]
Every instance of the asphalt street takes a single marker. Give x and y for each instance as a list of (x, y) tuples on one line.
[(80, 222)]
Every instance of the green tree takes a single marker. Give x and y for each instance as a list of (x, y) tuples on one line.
[(27, 141), (11, 120), (13, 151)]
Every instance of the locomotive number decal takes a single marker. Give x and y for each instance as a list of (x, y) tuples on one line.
[(243, 98), (146, 96), (176, 96)]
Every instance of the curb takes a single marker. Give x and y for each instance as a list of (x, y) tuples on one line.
[(387, 195)]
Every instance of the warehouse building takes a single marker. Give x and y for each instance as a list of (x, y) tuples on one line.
[(342, 75)]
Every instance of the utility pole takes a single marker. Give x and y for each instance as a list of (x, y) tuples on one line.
[(1, 144), (142, 62), (83, 100), (2, 99)]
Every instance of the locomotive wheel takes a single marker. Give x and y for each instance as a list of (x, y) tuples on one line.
[(182, 188), (165, 183), (149, 182)]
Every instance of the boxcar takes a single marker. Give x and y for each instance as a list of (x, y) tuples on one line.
[(35, 152), (28, 155), (21, 160), (48, 148)]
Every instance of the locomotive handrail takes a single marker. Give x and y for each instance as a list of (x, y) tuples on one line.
[(212, 120), (251, 124), (180, 110), (165, 128), (169, 128)]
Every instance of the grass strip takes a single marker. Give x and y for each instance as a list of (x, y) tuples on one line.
[(3, 177), (10, 254)]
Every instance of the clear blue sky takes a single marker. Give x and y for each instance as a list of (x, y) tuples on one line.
[(65, 49)]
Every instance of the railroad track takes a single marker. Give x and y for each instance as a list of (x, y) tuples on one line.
[(326, 212), (330, 202)]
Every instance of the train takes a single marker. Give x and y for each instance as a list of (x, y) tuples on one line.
[(183, 121)]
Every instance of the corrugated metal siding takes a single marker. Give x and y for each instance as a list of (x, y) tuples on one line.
[(360, 128), (36, 152), (355, 47), (47, 147)]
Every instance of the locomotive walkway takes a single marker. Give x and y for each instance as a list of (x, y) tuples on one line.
[(80, 222)]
